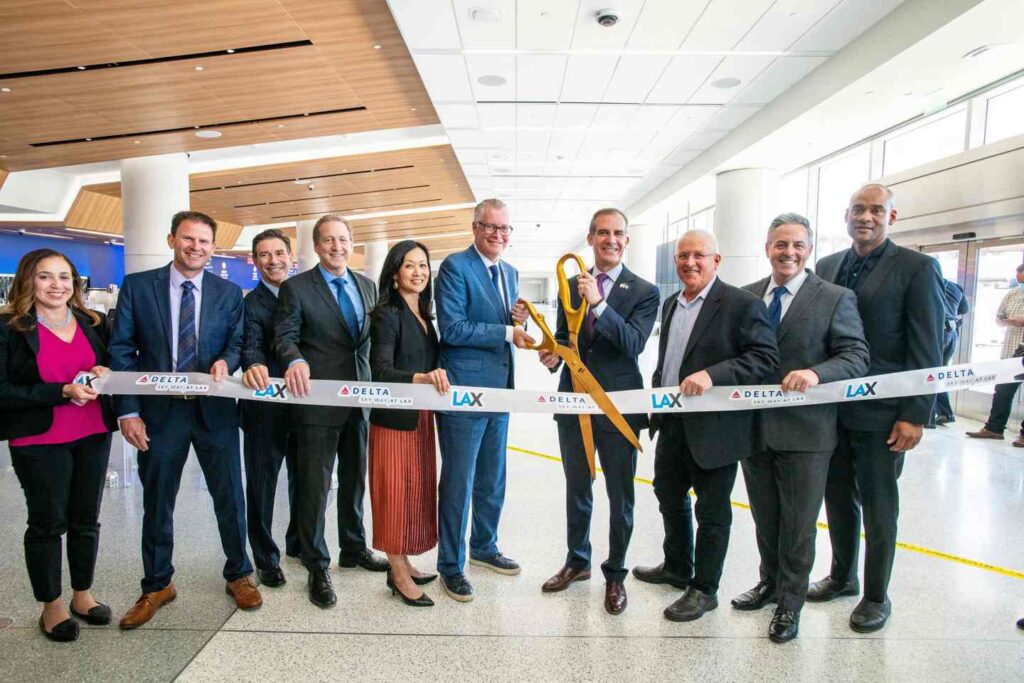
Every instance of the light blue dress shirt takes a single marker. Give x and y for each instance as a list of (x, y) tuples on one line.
[(679, 332)]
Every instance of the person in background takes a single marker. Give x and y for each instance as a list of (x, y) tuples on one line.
[(1010, 315), (58, 431), (955, 306), (403, 471)]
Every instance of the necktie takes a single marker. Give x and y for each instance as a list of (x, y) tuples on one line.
[(775, 307), (187, 329), (602, 282), (497, 286), (348, 311)]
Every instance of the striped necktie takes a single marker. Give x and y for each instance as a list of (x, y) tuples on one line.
[(187, 329)]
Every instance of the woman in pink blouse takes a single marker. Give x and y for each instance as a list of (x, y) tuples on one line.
[(59, 431)]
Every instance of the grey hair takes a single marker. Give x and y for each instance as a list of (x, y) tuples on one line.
[(610, 211), (1020, 267), (709, 239), (794, 218), (329, 218), (492, 203)]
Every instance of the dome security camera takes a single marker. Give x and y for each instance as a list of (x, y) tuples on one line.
[(607, 18)]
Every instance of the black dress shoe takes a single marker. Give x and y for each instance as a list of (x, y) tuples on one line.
[(691, 606), (272, 578), (422, 601), (755, 598), (661, 575), (457, 587), (96, 616), (829, 589), (1020, 623), (785, 625), (870, 616), (321, 592), (423, 580), (615, 597), (366, 560), (64, 632), (563, 577)]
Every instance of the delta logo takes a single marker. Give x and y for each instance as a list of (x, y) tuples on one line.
[(767, 398), (162, 379), (276, 391), (371, 395), (369, 390), (667, 400), (960, 378), (567, 401), (944, 375), (467, 399), (178, 384)]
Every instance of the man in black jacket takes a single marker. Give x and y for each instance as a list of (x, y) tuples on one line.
[(899, 294), (711, 334), (269, 438), (322, 332)]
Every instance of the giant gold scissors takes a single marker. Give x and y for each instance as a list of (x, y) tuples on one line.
[(583, 381)]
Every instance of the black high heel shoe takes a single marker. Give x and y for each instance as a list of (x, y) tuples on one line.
[(423, 580), (64, 632), (422, 601)]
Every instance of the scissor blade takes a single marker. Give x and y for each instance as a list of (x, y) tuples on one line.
[(581, 374), (587, 431)]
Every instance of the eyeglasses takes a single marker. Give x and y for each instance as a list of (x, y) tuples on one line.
[(695, 255), (491, 228)]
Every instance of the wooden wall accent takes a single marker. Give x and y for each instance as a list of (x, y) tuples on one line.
[(95, 211)]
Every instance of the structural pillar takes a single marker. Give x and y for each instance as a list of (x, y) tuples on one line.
[(304, 251), (642, 252), (746, 201), (376, 252), (153, 189)]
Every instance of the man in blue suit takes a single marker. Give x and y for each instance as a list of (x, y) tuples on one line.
[(476, 295), (180, 319)]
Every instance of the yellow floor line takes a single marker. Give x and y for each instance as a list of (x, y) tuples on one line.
[(921, 550)]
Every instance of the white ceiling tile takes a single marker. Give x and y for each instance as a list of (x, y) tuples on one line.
[(682, 156), (479, 34), (471, 156), (503, 65), (784, 23), (544, 25), (732, 115), (566, 142), (498, 139), (539, 77), (497, 115), (634, 77), (663, 24), (530, 115), (777, 78), (482, 181), (586, 77), (445, 77), (615, 115), (457, 115), (684, 75), (533, 141), (575, 115), (426, 24), (475, 169), (589, 34), (724, 23), (498, 156), (744, 67), (844, 23), (693, 116), (652, 117), (467, 137)]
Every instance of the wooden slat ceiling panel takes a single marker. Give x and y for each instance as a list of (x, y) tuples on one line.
[(340, 70)]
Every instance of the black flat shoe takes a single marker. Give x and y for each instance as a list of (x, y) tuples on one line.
[(96, 616), (64, 632), (422, 601), (423, 580)]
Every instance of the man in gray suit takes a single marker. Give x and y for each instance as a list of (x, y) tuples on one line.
[(820, 339)]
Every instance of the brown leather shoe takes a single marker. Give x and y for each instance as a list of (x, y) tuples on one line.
[(1019, 441), (245, 593), (985, 434), (615, 597), (565, 576), (146, 606)]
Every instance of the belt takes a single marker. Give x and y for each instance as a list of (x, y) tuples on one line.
[(182, 397)]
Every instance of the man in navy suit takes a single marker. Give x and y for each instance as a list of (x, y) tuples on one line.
[(476, 293), (623, 308), (179, 319)]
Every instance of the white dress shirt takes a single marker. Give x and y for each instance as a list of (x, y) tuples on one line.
[(792, 286), (613, 275), (501, 287), (175, 282)]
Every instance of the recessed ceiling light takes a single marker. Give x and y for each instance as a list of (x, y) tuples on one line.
[(301, 181), (88, 139), (5, 89), (377, 46), (492, 80), (412, 108), (81, 68), (198, 68), (725, 83), (231, 51), (208, 134), (137, 142), (280, 125), (485, 15)]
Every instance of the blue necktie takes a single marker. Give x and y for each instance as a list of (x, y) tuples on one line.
[(348, 311), (497, 286), (187, 329), (775, 307)]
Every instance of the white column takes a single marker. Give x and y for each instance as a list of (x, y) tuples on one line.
[(642, 252), (551, 290), (153, 189), (746, 201), (304, 245), (376, 252)]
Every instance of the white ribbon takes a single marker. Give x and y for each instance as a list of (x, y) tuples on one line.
[(482, 399)]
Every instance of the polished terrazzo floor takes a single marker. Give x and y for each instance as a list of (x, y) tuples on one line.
[(951, 621)]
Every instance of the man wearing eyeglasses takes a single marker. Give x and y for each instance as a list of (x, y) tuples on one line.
[(712, 334), (476, 293)]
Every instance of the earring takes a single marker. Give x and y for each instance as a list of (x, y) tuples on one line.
[(394, 284)]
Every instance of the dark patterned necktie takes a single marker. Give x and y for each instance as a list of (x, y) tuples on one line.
[(775, 307), (187, 329), (591, 319)]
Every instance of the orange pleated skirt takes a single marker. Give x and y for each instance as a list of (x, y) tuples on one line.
[(403, 488)]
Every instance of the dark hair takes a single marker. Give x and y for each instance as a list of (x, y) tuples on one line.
[(388, 292), (271, 234), (196, 216), (329, 218), (610, 211), (22, 298)]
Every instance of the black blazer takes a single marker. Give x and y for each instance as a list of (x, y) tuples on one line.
[(258, 347), (308, 325), (620, 334), (26, 402), (900, 302), (733, 340), (399, 349)]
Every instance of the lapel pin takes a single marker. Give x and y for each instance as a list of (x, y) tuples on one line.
[(623, 285)]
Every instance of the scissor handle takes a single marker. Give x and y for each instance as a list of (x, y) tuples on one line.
[(547, 340), (573, 315)]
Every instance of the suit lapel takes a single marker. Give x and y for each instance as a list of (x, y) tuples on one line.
[(476, 264), (666, 326), (365, 286), (806, 294), (708, 310), (161, 293), (32, 336), (620, 289), (879, 274), (324, 290), (831, 270)]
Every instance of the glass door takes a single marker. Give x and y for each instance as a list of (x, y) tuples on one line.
[(954, 261)]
